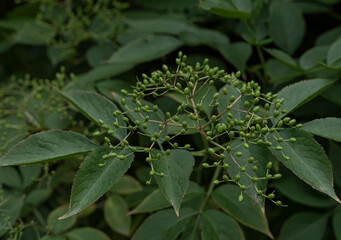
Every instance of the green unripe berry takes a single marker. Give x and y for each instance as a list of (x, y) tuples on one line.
[(205, 165), (216, 182), (211, 151), (225, 178), (242, 169), (292, 140), (251, 160), (240, 198), (278, 203), (152, 172), (269, 165), (277, 176), (242, 187), (254, 179), (292, 122), (271, 196), (239, 154), (121, 157), (286, 157), (237, 178), (279, 148)]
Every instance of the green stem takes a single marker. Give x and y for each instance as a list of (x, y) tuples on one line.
[(209, 192), (261, 57)]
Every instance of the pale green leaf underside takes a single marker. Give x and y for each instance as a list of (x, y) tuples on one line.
[(307, 160), (47, 146)]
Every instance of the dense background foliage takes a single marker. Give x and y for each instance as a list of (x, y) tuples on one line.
[(105, 45)]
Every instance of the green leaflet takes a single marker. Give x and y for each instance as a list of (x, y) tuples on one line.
[(126, 185), (304, 226), (262, 157), (115, 213), (156, 200), (163, 225), (229, 9), (283, 57), (307, 159), (286, 25), (153, 127), (95, 107), (325, 127), (246, 212), (86, 233), (214, 226), (296, 190), (92, 181), (297, 94), (58, 226), (337, 224), (47, 146), (145, 49), (177, 168)]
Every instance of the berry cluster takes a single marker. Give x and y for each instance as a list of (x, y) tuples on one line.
[(230, 122)]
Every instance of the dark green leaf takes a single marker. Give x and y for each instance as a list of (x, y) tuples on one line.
[(10, 177), (236, 53), (216, 225), (156, 200), (160, 25), (177, 168), (95, 107), (279, 72), (58, 226), (246, 212), (10, 206), (115, 213), (126, 185), (262, 156), (287, 26), (88, 79), (304, 226), (297, 94), (229, 8), (99, 53), (158, 116), (325, 127), (314, 55), (29, 173), (47, 146), (163, 225), (334, 154), (333, 55), (296, 190), (307, 159), (144, 50), (92, 181), (282, 57), (337, 224), (86, 233), (328, 37)]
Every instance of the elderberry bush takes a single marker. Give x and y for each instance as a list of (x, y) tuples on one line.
[(229, 142), (228, 121)]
